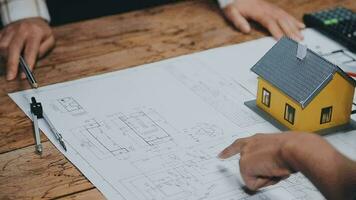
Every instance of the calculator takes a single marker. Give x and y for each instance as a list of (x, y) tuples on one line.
[(338, 23)]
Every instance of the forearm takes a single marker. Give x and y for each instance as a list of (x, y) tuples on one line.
[(331, 172)]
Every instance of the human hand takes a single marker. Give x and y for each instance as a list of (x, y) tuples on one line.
[(261, 158), (265, 159), (277, 21), (33, 37)]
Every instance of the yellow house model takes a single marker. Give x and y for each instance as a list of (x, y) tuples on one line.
[(302, 90)]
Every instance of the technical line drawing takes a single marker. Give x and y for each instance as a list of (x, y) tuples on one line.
[(101, 140), (184, 177), (181, 180), (145, 127), (70, 105), (301, 187), (203, 132), (194, 174), (147, 124), (222, 94), (119, 134)]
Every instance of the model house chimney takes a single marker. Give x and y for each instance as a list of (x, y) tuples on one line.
[(301, 51)]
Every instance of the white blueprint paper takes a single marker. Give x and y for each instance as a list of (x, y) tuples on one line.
[(153, 132)]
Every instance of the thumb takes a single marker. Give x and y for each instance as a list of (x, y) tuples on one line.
[(257, 183), (237, 19)]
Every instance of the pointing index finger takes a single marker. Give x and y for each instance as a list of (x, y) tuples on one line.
[(233, 149)]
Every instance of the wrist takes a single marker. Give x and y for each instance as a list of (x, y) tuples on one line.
[(323, 165), (347, 177), (287, 153), (291, 150)]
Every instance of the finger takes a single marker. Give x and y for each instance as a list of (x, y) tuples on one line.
[(15, 49), (5, 42), (237, 19), (284, 177), (46, 46), (31, 51), (272, 27), (299, 24), (233, 149), (275, 30), (294, 25), (292, 19), (257, 183), (288, 29), (270, 182)]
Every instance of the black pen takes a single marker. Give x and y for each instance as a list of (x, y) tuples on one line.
[(31, 79)]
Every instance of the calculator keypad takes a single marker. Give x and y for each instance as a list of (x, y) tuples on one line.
[(339, 23)]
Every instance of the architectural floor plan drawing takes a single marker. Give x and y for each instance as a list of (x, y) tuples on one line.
[(98, 139), (154, 132), (70, 105)]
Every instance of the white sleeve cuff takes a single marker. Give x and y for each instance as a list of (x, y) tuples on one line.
[(14, 10), (224, 3)]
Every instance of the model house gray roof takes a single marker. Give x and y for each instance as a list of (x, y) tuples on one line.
[(300, 79)]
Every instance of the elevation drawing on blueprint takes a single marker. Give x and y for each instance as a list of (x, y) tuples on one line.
[(153, 132)]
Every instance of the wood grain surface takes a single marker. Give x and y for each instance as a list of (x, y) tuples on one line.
[(103, 45)]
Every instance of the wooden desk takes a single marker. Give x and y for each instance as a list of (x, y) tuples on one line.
[(103, 45)]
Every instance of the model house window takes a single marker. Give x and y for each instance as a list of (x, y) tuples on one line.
[(289, 113), (266, 97), (326, 115)]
